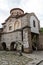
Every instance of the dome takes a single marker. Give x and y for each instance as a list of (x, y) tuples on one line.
[(16, 11)]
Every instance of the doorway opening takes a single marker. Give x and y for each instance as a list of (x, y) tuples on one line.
[(13, 46), (35, 40), (4, 45), (22, 48)]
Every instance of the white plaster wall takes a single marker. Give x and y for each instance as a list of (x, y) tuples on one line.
[(34, 29)]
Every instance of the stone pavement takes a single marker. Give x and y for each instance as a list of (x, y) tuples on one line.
[(37, 56), (12, 58)]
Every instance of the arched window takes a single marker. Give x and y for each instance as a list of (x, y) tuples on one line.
[(17, 25), (34, 23)]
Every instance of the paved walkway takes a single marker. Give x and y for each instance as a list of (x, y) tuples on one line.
[(13, 58), (37, 56)]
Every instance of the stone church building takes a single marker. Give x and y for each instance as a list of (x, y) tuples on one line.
[(20, 27)]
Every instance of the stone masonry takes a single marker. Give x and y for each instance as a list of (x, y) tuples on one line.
[(19, 26)]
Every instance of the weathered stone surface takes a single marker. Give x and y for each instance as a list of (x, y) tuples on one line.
[(19, 28), (9, 58)]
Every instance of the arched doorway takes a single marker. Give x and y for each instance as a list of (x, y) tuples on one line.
[(13, 46), (35, 41), (4, 45)]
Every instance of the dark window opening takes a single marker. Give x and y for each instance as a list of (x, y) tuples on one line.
[(10, 27), (34, 23), (22, 48), (22, 35), (13, 46)]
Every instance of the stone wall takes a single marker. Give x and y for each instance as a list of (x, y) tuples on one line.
[(41, 41), (27, 40), (24, 21), (8, 38), (16, 12)]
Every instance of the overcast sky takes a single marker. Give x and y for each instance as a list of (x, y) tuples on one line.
[(35, 6)]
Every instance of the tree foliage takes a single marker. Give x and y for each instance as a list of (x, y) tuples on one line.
[(41, 29)]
